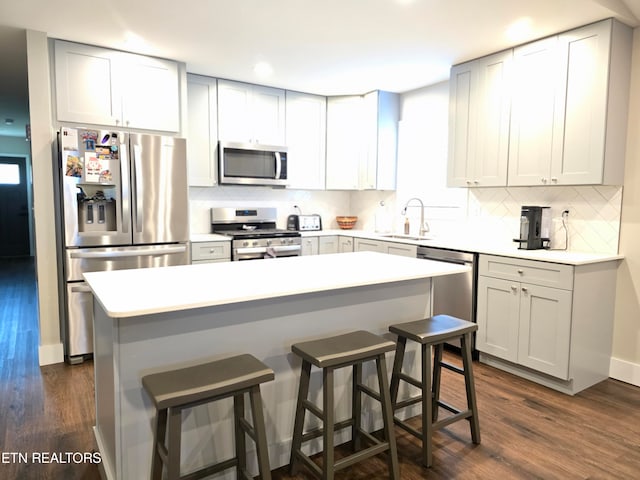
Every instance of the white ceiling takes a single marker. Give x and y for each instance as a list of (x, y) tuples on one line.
[(327, 47)]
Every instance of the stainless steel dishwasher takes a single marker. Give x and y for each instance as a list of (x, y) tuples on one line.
[(454, 295)]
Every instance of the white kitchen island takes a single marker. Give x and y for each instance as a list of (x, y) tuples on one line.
[(149, 320)]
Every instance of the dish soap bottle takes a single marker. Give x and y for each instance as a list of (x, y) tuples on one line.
[(406, 225)]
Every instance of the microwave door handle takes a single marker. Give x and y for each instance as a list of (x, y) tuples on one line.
[(125, 214), (278, 165), (137, 154)]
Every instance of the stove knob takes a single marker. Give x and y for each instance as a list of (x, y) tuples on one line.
[(245, 244), (268, 243), (255, 243), (290, 241)]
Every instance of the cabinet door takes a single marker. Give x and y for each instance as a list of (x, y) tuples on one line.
[(345, 137), (582, 105), (497, 317), (346, 244), (494, 109), (462, 124), (401, 249), (234, 112), (268, 115), (365, 245), (379, 167), (202, 131), (85, 89), (532, 112), (545, 329), (150, 93), (306, 140), (310, 246), (328, 244)]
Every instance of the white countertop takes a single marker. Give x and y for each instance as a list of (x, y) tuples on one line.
[(128, 293), (489, 248)]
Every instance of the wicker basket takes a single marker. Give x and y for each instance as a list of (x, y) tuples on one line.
[(346, 223)]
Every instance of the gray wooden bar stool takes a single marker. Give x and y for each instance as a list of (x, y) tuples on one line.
[(175, 390), (434, 331), (348, 350)]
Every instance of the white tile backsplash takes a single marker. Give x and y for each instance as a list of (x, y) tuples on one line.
[(328, 204), (594, 214)]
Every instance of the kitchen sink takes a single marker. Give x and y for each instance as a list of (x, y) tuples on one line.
[(407, 237)]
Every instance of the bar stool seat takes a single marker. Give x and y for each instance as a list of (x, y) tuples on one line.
[(434, 331), (175, 390), (348, 350)]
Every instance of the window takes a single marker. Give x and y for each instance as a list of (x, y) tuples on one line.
[(9, 174)]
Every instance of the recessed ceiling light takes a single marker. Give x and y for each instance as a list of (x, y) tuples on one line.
[(263, 69)]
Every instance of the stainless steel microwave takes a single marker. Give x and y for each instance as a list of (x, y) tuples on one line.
[(252, 164)]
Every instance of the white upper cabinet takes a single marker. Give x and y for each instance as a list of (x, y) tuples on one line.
[(570, 101), (251, 113), (106, 87), (362, 138), (306, 140), (202, 130), (536, 76), (479, 122), (345, 136)]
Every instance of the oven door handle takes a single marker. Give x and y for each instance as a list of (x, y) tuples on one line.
[(276, 249)]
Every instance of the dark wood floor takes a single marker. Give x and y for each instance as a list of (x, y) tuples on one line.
[(528, 431)]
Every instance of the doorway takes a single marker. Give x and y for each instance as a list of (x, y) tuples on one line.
[(14, 207)]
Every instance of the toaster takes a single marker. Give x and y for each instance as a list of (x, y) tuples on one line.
[(304, 223)]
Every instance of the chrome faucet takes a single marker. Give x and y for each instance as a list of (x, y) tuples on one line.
[(424, 226)]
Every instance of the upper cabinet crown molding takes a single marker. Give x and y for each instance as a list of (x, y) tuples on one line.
[(106, 87), (568, 96)]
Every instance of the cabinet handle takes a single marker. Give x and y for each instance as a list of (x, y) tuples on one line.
[(524, 289), (476, 182), (544, 180), (520, 271), (514, 288), (468, 182), (554, 179)]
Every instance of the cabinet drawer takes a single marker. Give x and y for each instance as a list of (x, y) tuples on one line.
[(210, 251), (530, 271)]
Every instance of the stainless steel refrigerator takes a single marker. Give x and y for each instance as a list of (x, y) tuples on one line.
[(123, 204)]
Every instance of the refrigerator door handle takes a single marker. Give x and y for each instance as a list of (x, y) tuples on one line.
[(130, 253), (137, 154), (126, 188), (81, 289)]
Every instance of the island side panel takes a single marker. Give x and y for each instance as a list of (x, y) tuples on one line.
[(266, 329), (103, 358)]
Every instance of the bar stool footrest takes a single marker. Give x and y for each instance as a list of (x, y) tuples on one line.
[(452, 419), (318, 432), (452, 367), (211, 470), (361, 455), (407, 428)]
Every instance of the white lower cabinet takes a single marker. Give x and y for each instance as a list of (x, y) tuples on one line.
[(309, 246), (525, 323), (393, 248), (345, 244), (328, 244), (210, 252), (551, 323)]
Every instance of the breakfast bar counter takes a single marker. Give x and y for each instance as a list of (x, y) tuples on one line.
[(156, 319)]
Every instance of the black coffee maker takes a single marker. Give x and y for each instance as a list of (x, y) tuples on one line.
[(535, 223)]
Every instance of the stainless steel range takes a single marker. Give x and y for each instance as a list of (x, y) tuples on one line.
[(254, 234)]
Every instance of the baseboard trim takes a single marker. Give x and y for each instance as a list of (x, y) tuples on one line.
[(49, 354), (625, 371)]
